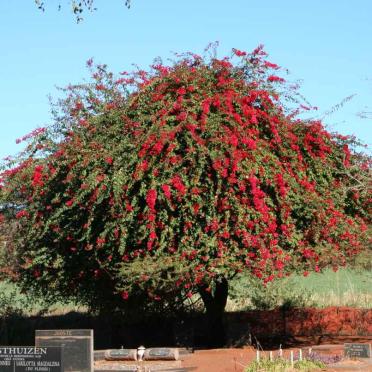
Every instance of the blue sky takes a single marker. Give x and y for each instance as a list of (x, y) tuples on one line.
[(326, 44)]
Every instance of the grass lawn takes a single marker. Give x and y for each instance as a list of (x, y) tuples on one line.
[(338, 282), (344, 287)]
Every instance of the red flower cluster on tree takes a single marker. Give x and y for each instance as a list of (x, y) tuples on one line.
[(151, 199), (38, 176)]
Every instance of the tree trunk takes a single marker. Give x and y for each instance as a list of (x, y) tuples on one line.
[(215, 306)]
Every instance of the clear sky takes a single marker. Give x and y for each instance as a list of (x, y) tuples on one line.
[(325, 43)]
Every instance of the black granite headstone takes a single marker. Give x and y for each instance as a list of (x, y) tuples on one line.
[(357, 350), (77, 347), (30, 359)]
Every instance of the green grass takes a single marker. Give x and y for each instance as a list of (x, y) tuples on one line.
[(282, 365), (341, 288), (339, 282), (345, 287)]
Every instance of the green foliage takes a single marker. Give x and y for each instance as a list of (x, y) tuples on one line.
[(12, 303), (363, 261), (282, 365), (8, 259), (153, 185), (17, 303), (343, 288)]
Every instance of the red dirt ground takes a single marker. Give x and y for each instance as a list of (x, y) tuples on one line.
[(219, 360), (235, 360)]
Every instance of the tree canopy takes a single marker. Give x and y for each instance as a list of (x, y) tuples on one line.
[(168, 182)]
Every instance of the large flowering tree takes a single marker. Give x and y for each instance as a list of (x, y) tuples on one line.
[(167, 183)]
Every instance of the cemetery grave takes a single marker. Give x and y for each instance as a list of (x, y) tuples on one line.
[(30, 359), (71, 350), (76, 344)]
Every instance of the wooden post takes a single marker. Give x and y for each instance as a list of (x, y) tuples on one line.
[(292, 363), (258, 356), (271, 356), (300, 355)]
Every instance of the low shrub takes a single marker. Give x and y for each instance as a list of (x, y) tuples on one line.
[(282, 365)]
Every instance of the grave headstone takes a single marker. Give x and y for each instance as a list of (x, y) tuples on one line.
[(30, 359), (77, 347), (121, 354), (354, 350), (161, 353)]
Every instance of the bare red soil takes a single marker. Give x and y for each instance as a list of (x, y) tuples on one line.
[(235, 360)]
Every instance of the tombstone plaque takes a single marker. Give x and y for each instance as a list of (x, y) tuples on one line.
[(77, 347), (30, 359), (121, 354), (161, 353), (357, 350)]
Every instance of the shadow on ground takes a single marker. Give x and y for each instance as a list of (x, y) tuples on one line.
[(115, 331)]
